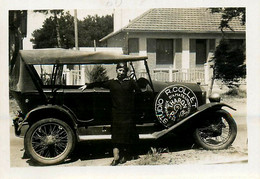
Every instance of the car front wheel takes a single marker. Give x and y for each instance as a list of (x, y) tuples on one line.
[(219, 134), (49, 141)]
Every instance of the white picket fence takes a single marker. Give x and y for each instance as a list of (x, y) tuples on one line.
[(182, 75), (77, 77)]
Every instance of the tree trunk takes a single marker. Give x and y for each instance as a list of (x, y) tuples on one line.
[(212, 81), (15, 38), (57, 30)]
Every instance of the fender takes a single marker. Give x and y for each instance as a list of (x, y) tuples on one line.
[(61, 109), (214, 105), (201, 109)]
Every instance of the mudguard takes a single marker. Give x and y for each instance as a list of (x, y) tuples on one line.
[(61, 109), (201, 109)]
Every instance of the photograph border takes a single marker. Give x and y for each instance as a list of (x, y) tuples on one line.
[(249, 170)]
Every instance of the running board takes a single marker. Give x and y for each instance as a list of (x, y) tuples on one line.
[(108, 137)]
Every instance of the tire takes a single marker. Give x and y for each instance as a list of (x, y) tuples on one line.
[(49, 141), (222, 137)]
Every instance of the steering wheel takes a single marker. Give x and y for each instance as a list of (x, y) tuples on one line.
[(143, 83)]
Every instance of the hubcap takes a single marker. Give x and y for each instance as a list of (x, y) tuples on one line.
[(49, 140)]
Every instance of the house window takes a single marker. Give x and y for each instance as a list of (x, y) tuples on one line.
[(201, 51), (164, 51), (133, 45)]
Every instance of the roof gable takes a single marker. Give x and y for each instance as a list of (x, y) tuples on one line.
[(181, 19), (188, 20)]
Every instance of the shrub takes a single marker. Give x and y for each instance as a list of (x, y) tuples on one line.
[(98, 74)]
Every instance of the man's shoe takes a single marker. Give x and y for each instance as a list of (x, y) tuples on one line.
[(122, 160), (135, 157), (115, 162)]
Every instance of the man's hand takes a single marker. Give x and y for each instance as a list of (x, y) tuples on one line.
[(82, 88)]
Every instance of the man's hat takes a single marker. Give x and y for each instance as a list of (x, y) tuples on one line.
[(122, 65)]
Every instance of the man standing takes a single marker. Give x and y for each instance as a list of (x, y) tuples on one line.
[(124, 133)]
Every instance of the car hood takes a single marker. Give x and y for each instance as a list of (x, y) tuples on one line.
[(159, 86)]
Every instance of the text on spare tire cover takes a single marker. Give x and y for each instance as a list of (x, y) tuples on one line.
[(173, 103)]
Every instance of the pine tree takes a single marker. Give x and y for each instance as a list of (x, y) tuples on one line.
[(229, 63)]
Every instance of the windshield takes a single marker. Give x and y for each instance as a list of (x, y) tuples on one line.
[(81, 74)]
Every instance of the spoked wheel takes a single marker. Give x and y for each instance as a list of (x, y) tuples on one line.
[(49, 141), (219, 134)]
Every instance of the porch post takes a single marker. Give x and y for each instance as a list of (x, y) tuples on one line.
[(142, 52), (185, 53), (142, 46), (82, 75), (185, 58), (68, 77), (206, 73), (170, 74)]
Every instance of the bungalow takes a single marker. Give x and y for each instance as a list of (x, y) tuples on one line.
[(179, 42)]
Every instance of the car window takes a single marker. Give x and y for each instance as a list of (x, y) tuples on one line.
[(76, 75), (46, 73)]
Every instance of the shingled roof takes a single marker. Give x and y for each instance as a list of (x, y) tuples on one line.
[(188, 20)]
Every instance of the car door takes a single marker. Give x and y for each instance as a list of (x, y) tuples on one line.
[(102, 106), (79, 102)]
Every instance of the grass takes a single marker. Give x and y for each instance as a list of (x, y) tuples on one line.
[(235, 92), (153, 157)]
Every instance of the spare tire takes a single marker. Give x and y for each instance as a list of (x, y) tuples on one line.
[(174, 103)]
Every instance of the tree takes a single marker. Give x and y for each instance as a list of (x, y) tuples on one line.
[(46, 37), (229, 59), (17, 31), (228, 14), (90, 29), (229, 62), (55, 14), (94, 28)]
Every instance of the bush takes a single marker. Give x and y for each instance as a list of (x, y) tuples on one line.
[(98, 74)]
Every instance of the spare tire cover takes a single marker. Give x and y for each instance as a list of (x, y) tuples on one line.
[(174, 103)]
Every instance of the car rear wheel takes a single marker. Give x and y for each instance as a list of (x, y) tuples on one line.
[(49, 141)]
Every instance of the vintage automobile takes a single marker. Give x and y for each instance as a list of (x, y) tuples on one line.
[(55, 116)]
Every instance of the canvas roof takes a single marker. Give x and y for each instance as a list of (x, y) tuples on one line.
[(187, 20), (64, 56)]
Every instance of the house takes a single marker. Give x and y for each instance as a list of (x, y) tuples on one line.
[(179, 42)]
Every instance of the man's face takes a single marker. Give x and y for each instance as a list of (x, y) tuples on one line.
[(121, 73)]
